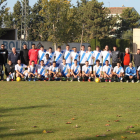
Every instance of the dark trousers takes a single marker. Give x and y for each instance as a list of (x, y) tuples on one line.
[(125, 66), (81, 65), (91, 67), (114, 64), (127, 77), (1, 76)]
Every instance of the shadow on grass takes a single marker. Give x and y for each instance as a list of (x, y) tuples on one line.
[(21, 133), (4, 110), (111, 136)]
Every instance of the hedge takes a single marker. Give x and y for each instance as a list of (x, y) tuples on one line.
[(120, 43)]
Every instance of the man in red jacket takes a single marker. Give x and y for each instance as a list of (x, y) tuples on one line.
[(33, 54)]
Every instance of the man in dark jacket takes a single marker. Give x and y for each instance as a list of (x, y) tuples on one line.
[(137, 59), (3, 55), (24, 55), (115, 56), (10, 71), (14, 56)]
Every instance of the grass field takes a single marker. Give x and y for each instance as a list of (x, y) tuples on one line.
[(28, 108)]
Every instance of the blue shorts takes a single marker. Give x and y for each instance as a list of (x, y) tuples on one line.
[(64, 74), (97, 75), (75, 73)]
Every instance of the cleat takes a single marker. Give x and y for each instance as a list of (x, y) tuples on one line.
[(106, 80), (132, 81), (138, 81), (79, 80), (109, 81), (127, 81), (89, 80)]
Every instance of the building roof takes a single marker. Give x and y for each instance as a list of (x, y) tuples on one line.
[(117, 10)]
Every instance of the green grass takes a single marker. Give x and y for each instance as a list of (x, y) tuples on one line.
[(50, 105)]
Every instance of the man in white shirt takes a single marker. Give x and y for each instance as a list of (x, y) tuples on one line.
[(42, 71), (106, 55), (90, 56), (20, 69), (86, 72), (67, 56), (97, 70), (107, 70), (75, 55), (41, 53), (47, 60), (64, 70), (58, 56), (75, 71), (82, 57), (32, 71), (97, 55), (118, 72), (53, 71), (51, 54)]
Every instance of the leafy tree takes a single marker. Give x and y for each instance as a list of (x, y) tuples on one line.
[(17, 17), (59, 20), (37, 30), (129, 19), (3, 12), (9, 20), (95, 21)]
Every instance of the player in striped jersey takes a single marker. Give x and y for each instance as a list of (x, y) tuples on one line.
[(86, 72), (64, 69), (118, 72), (75, 71), (97, 70), (42, 71), (32, 71), (107, 70), (20, 70), (53, 71)]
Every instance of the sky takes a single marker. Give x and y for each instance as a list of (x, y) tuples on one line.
[(107, 3)]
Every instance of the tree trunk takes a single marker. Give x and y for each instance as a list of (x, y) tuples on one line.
[(82, 35), (55, 44)]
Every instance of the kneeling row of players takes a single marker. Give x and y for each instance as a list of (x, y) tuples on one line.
[(86, 72)]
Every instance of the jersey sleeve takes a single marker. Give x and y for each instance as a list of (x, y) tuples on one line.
[(50, 68), (72, 67), (138, 68), (122, 70), (93, 68), (79, 68), (90, 68), (57, 69), (15, 67), (101, 69), (24, 66), (114, 70), (28, 69), (83, 68)]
